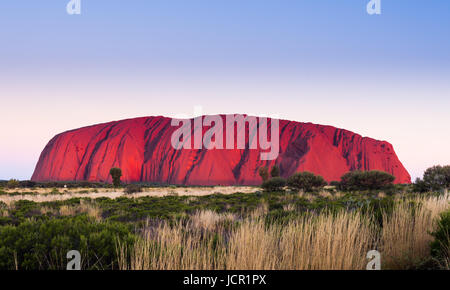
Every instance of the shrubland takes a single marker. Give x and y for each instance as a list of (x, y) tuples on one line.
[(298, 223)]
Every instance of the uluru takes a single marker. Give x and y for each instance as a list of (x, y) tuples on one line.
[(142, 148)]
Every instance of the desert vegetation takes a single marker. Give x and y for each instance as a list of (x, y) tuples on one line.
[(298, 223)]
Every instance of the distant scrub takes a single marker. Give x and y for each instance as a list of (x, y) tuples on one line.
[(306, 181), (366, 180), (274, 184), (133, 188), (436, 178), (13, 183), (57, 184)]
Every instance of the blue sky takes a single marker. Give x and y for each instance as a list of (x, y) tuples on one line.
[(329, 62)]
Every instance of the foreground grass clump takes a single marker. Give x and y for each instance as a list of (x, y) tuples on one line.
[(312, 242), (406, 231), (324, 240)]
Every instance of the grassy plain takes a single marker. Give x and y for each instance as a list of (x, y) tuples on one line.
[(217, 228)]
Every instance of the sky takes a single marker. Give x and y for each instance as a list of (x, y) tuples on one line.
[(322, 61)]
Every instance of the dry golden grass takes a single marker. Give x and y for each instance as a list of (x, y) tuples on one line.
[(260, 211), (4, 213), (289, 207), (208, 219), (405, 234), (91, 209), (324, 193), (327, 242), (252, 246), (66, 210), (381, 195), (45, 210), (338, 194), (170, 247), (311, 242)]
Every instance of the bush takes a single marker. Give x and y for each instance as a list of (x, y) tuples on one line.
[(362, 180), (274, 184), (44, 244), (440, 247), (264, 173), (420, 186), (335, 183), (133, 188), (116, 174), (13, 183), (275, 172), (435, 178), (27, 183), (306, 181)]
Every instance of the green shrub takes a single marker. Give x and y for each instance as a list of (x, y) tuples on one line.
[(264, 173), (420, 186), (13, 183), (440, 247), (362, 180), (335, 183), (116, 174), (133, 188), (42, 244), (306, 181), (435, 178), (274, 184), (27, 183), (275, 171)]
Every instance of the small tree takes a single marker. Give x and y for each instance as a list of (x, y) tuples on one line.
[(306, 181), (420, 186), (437, 177), (275, 172), (116, 174), (264, 173), (361, 180)]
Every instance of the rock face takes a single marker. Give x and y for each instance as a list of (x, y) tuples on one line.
[(142, 148)]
